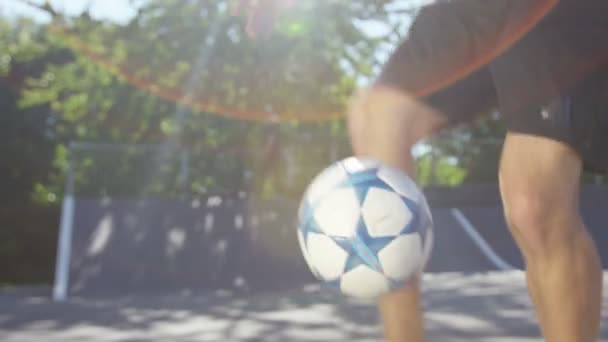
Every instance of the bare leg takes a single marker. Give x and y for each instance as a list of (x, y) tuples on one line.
[(540, 188), (384, 125)]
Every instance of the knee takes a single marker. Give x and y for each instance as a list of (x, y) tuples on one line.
[(538, 222), (382, 116)]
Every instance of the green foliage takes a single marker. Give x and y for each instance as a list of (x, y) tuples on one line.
[(28, 208), (476, 149), (197, 53), (27, 145), (183, 74), (438, 170)]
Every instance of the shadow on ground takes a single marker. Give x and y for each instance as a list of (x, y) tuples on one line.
[(480, 307)]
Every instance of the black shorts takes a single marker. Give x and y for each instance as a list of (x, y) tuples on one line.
[(543, 64)]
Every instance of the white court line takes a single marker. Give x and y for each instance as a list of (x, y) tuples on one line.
[(485, 248)]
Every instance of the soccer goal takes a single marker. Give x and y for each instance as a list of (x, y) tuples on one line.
[(98, 174), (160, 219)]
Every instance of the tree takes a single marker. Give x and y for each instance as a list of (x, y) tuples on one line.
[(28, 133), (27, 146), (183, 73)]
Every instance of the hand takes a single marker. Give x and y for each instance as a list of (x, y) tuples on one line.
[(261, 14)]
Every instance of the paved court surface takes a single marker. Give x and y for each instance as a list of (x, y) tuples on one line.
[(489, 307), (466, 299)]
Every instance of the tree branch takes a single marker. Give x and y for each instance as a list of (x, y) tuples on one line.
[(46, 7)]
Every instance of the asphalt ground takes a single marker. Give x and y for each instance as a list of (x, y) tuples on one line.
[(489, 306), (466, 298)]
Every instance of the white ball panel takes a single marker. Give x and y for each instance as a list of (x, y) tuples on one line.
[(325, 256), (355, 164), (384, 213), (399, 181), (325, 182), (338, 213), (363, 282), (403, 257)]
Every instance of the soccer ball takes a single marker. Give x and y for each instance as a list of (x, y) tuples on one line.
[(364, 228)]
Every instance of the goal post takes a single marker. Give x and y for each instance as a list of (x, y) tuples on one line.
[(62, 272), (88, 150)]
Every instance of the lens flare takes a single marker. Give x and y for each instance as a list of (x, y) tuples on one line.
[(179, 93)]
